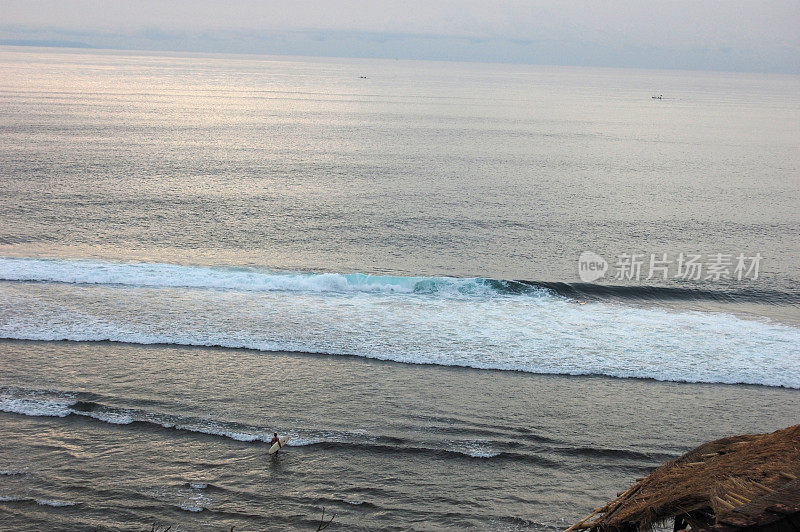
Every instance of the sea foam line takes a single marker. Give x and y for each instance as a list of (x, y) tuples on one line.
[(781, 369), (141, 274), (60, 408), (41, 502)]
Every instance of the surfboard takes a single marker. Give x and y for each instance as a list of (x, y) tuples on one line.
[(279, 444)]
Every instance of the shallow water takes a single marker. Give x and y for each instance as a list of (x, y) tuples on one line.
[(119, 434)]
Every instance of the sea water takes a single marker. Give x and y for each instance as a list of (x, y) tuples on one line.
[(197, 251)]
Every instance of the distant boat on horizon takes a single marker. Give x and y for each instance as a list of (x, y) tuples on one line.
[(659, 97)]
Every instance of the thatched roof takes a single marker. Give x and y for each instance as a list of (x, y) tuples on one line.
[(704, 485), (778, 511)]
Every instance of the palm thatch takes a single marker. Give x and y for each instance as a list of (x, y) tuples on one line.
[(704, 485)]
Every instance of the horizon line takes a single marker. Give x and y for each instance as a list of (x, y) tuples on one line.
[(57, 44)]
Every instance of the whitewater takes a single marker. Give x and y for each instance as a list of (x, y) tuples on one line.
[(471, 322)]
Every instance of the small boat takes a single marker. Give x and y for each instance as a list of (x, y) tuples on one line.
[(659, 97)]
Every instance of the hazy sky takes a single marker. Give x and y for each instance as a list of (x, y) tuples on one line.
[(724, 35)]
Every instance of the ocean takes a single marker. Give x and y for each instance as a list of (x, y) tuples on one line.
[(474, 296)]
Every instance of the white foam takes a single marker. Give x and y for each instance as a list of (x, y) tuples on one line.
[(40, 502), (190, 508), (197, 502), (33, 407), (56, 407), (250, 279), (218, 430), (55, 504), (297, 441), (116, 418), (538, 334), (475, 450)]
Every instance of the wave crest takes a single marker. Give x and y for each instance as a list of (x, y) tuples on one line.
[(250, 279)]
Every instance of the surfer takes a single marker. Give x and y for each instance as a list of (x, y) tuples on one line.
[(275, 440)]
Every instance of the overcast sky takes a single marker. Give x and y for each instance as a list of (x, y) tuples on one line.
[(738, 35)]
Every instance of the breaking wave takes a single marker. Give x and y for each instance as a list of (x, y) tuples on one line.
[(250, 279), (475, 322), (154, 275)]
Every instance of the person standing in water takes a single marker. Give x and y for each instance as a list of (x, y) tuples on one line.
[(275, 440)]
